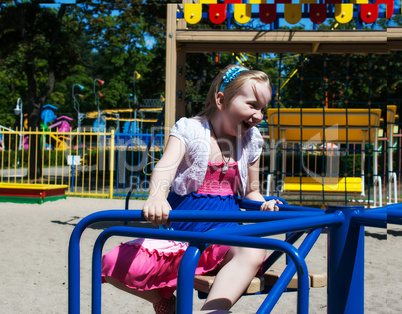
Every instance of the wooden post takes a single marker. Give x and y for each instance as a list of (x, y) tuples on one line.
[(181, 71), (171, 65)]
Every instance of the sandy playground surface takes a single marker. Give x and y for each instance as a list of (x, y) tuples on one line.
[(33, 260)]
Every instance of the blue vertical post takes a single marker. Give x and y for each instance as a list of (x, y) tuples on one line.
[(185, 280), (74, 270), (346, 263)]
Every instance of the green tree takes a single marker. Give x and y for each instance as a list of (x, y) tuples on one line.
[(119, 38), (35, 43), (44, 51)]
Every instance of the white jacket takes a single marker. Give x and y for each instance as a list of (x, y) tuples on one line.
[(195, 134)]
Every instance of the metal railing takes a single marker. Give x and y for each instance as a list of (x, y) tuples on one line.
[(109, 168), (345, 255), (108, 161)]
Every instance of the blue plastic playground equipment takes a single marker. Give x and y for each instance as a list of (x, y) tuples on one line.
[(99, 126), (345, 249), (48, 115), (131, 127)]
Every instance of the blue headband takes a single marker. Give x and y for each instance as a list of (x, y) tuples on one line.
[(230, 75)]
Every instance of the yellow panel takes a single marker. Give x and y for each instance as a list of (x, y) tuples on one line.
[(257, 1), (315, 184), (391, 113), (208, 1), (358, 1), (343, 12), (29, 186), (242, 13), (192, 12), (292, 13), (306, 124)]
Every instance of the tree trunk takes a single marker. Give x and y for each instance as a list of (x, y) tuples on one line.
[(37, 100), (34, 109)]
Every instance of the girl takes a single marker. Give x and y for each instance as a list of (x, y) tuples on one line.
[(208, 160)]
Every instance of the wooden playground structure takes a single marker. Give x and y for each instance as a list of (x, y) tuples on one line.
[(182, 39)]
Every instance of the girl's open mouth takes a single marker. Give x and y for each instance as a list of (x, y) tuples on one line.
[(246, 125)]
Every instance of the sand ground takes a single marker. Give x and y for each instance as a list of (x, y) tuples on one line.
[(34, 272)]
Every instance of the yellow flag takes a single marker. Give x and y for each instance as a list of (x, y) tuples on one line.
[(137, 75)]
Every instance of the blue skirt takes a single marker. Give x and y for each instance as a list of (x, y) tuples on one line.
[(194, 201)]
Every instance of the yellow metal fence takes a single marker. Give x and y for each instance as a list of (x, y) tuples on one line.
[(110, 163), (42, 157)]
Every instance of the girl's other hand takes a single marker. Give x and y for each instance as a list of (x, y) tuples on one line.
[(270, 205), (156, 210)]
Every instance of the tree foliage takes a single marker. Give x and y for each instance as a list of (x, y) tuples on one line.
[(46, 50)]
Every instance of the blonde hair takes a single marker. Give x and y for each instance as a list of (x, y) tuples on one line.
[(232, 88)]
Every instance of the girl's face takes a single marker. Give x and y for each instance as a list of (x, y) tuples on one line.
[(246, 109)]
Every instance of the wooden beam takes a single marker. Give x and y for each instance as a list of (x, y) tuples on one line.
[(171, 65), (282, 36), (394, 33), (283, 48), (283, 41), (394, 38)]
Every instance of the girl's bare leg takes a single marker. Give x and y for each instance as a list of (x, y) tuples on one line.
[(240, 266), (152, 296)]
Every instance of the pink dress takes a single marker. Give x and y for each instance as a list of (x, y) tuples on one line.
[(147, 264)]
